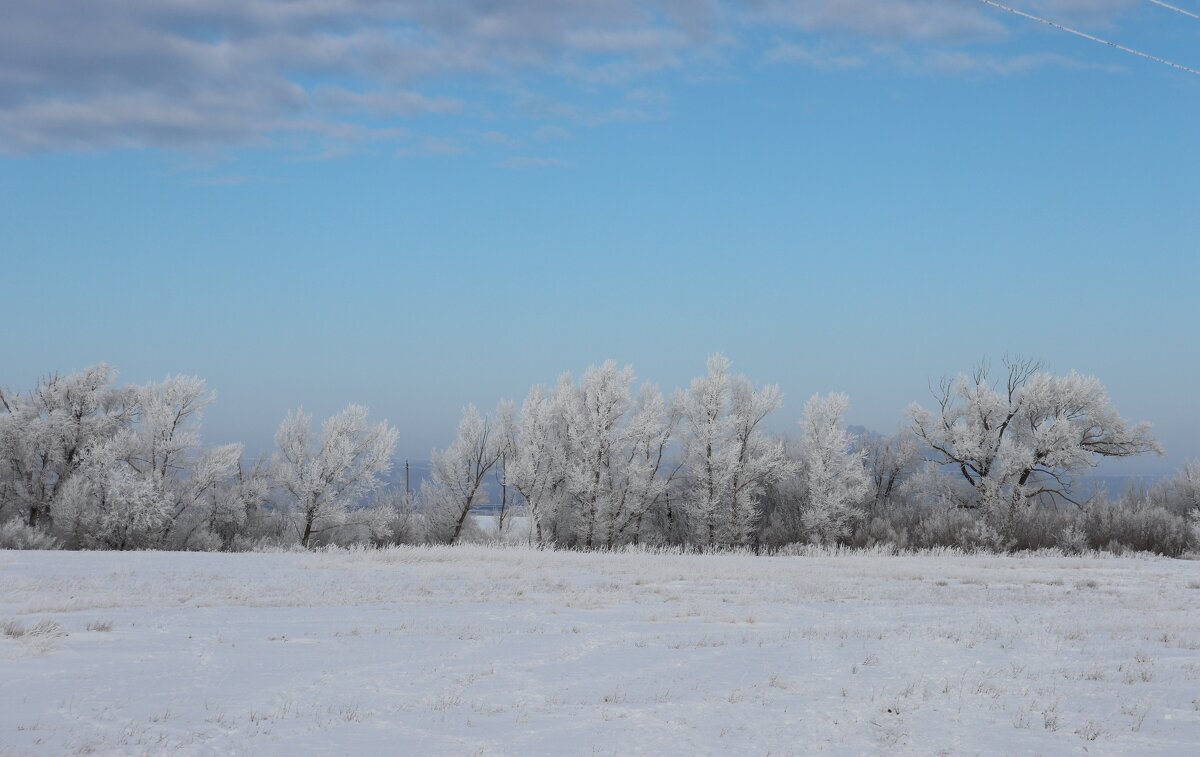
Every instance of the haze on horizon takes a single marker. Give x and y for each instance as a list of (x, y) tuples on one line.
[(415, 206)]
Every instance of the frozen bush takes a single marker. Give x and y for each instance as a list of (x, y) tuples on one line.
[(880, 530), (17, 535), (1072, 540), (203, 540), (957, 527), (397, 520), (1141, 527), (1038, 527)]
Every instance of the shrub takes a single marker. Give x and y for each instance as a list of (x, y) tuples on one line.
[(1142, 527), (17, 535), (1073, 540), (958, 528), (881, 530)]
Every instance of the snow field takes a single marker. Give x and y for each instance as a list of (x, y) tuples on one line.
[(485, 650)]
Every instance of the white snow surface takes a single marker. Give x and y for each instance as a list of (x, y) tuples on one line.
[(488, 650)]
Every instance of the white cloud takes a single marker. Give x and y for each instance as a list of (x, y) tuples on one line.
[(901, 20), (960, 62), (786, 52), (384, 102), (87, 74)]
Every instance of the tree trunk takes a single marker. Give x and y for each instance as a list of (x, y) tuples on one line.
[(503, 509), (458, 526), (308, 527), (711, 505), (592, 505), (39, 515), (670, 519)]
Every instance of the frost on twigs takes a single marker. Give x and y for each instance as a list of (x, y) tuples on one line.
[(1022, 440), (598, 462), (322, 477), (729, 459), (834, 476)]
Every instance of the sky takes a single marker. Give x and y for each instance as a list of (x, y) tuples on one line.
[(416, 204)]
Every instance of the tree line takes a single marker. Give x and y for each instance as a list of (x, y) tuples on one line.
[(597, 462)]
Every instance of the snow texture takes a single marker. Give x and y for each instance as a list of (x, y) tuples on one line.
[(483, 650)]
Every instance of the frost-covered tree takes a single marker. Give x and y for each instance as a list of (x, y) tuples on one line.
[(458, 472), (1186, 485), (503, 468), (594, 413), (1024, 439), (707, 459), (131, 510), (636, 472), (322, 478), (1179, 495), (1189, 486), (167, 432), (162, 449), (147, 484), (889, 461), (781, 507), (537, 468), (590, 458), (45, 435), (759, 461), (231, 509), (835, 480), (728, 458), (395, 518)]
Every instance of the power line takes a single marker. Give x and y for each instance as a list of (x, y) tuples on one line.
[(1161, 4), (1085, 35)]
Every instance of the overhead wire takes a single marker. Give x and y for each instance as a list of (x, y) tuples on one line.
[(1170, 7), (1092, 37)]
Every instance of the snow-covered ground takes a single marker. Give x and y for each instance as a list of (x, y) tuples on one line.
[(479, 650)]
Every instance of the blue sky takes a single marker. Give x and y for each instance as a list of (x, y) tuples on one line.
[(417, 205)]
